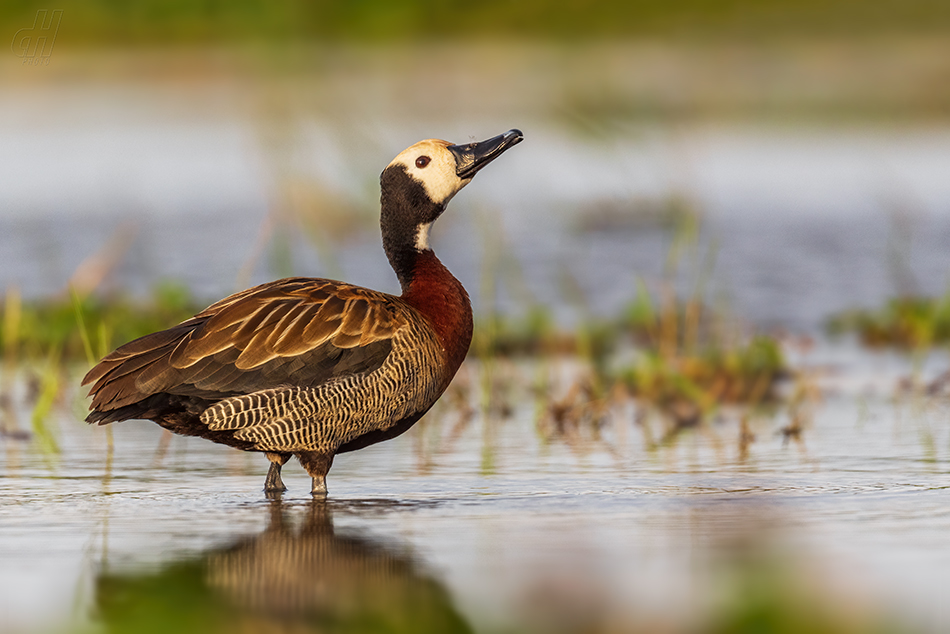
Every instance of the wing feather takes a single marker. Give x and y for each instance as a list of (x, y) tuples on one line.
[(257, 320), (356, 312), (291, 341), (344, 340), (256, 353), (279, 340), (196, 346), (292, 332), (331, 310)]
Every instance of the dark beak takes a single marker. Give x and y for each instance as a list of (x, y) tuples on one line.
[(471, 157)]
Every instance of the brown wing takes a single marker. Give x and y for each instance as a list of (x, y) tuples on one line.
[(296, 331)]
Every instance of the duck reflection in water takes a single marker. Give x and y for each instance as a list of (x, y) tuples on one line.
[(293, 577)]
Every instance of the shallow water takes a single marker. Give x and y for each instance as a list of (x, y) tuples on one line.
[(495, 526)]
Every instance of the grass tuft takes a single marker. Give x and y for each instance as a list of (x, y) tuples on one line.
[(910, 323), (84, 327)]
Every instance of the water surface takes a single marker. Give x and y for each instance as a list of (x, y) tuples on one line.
[(495, 524)]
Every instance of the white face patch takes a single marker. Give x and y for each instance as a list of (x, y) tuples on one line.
[(438, 175), (422, 237)]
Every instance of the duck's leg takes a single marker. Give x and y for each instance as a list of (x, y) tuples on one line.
[(273, 483), (317, 465)]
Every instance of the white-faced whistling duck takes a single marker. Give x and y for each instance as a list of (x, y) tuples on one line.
[(311, 367)]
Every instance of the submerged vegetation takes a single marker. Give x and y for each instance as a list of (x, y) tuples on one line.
[(692, 357), (745, 373), (669, 350), (912, 323)]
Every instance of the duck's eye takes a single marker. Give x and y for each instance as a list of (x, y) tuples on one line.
[(422, 161)]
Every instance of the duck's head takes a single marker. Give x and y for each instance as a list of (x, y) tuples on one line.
[(423, 178)]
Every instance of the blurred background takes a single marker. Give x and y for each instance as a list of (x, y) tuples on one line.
[(223, 145), (728, 221)]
